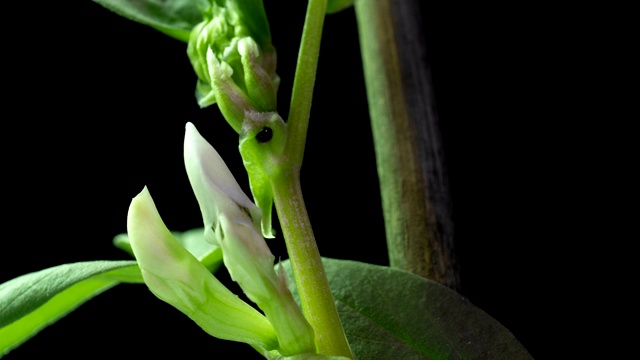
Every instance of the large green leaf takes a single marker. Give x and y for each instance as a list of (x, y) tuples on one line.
[(33, 301), (393, 314), (175, 18)]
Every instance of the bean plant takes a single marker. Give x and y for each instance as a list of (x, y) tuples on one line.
[(306, 306)]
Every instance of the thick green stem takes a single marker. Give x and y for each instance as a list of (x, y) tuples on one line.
[(411, 171), (313, 288)]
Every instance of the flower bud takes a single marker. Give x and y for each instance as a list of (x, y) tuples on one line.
[(232, 55), (178, 278), (259, 83), (233, 223), (232, 101)]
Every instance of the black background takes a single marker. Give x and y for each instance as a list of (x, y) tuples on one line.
[(95, 108)]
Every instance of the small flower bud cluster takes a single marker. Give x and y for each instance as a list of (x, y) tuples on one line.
[(232, 55)]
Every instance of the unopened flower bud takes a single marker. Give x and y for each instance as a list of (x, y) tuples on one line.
[(232, 101), (237, 82), (259, 83), (177, 277), (232, 221)]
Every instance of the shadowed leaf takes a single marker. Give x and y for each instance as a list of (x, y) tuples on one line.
[(33, 301), (175, 18), (394, 314)]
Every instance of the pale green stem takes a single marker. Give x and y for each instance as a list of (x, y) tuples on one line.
[(316, 300), (304, 81)]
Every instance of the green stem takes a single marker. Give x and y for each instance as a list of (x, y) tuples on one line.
[(408, 145), (304, 80), (313, 288)]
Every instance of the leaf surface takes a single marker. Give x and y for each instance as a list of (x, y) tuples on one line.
[(393, 314), (33, 301), (175, 18), (193, 240)]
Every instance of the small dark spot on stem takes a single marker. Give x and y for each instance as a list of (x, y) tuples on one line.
[(264, 135)]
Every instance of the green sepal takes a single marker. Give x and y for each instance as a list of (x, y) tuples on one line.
[(174, 18), (262, 141), (260, 186)]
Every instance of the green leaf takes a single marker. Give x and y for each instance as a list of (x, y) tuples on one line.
[(334, 6), (254, 17), (208, 254), (307, 357), (33, 301), (394, 314), (260, 84), (175, 18)]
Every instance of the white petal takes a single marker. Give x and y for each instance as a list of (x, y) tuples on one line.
[(215, 187), (177, 277)]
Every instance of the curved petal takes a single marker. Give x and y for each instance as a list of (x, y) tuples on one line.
[(215, 187), (177, 277), (244, 251)]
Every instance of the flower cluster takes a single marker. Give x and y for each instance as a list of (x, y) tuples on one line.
[(232, 223), (232, 55)]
